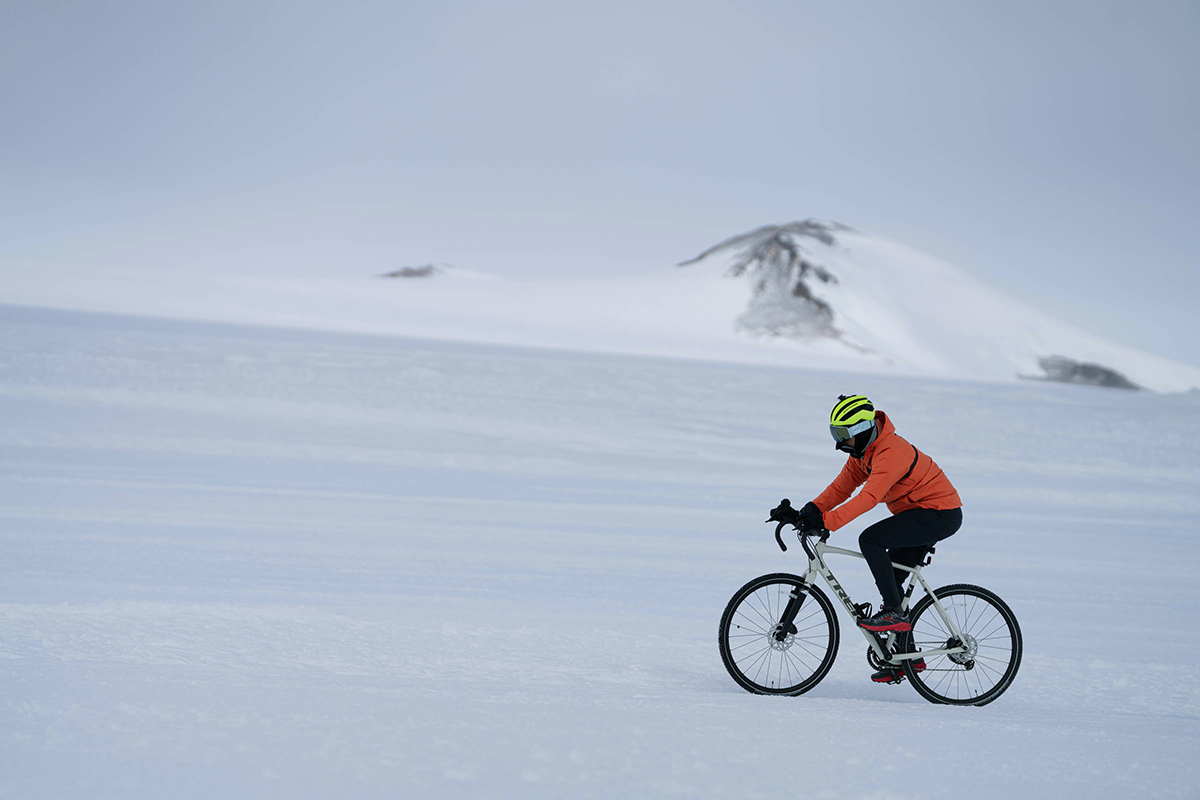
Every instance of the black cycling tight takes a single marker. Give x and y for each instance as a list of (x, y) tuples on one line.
[(904, 538)]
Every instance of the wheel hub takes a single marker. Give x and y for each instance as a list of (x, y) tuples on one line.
[(971, 648), (781, 640)]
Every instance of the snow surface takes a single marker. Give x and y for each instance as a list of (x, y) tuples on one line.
[(900, 312), (253, 562)]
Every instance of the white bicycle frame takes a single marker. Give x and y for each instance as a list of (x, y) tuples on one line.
[(817, 566)]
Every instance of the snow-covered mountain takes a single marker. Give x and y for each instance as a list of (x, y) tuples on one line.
[(817, 280), (810, 294)]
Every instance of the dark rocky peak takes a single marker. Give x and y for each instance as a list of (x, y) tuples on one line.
[(783, 271), (760, 239), (427, 271), (1061, 369)]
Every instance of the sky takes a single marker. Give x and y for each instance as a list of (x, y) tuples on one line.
[(1047, 148)]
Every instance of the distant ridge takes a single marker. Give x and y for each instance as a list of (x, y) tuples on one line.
[(822, 280), (813, 294)]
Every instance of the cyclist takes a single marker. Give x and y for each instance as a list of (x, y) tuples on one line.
[(924, 504)]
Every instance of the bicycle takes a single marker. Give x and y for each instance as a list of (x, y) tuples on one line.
[(966, 637)]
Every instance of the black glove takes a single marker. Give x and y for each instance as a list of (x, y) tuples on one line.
[(785, 513), (811, 518)]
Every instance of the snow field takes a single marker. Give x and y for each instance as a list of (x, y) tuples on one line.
[(251, 562), (899, 311)]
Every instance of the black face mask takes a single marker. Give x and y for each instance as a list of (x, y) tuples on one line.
[(858, 444)]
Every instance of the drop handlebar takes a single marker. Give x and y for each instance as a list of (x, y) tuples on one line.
[(822, 534)]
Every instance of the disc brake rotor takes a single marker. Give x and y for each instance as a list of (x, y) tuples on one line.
[(967, 658), (784, 643)]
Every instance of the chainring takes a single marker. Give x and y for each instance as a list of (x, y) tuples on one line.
[(875, 662)]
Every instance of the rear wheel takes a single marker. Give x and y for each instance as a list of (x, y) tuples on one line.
[(762, 657), (990, 636)]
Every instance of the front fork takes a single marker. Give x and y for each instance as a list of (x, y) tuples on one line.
[(787, 622)]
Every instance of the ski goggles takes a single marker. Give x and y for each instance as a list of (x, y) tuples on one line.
[(843, 432)]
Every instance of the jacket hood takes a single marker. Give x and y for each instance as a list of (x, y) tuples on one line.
[(885, 427)]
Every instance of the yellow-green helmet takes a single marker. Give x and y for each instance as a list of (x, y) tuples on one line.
[(853, 415)]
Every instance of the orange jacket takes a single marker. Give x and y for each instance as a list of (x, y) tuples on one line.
[(894, 472)]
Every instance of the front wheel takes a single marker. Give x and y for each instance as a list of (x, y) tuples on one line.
[(990, 635), (761, 656)]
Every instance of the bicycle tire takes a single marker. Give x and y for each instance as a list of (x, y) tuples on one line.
[(984, 673), (755, 659)]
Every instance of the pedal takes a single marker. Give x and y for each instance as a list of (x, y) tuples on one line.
[(895, 681), (863, 609)]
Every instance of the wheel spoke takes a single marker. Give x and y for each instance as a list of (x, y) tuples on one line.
[(754, 657), (758, 663), (992, 673), (747, 644), (991, 658), (764, 610), (971, 623), (752, 624), (759, 617), (804, 646), (788, 664), (988, 635)]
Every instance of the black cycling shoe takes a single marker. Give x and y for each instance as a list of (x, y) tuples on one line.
[(889, 675), (896, 674)]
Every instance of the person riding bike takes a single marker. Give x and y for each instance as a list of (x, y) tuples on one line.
[(924, 504)]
